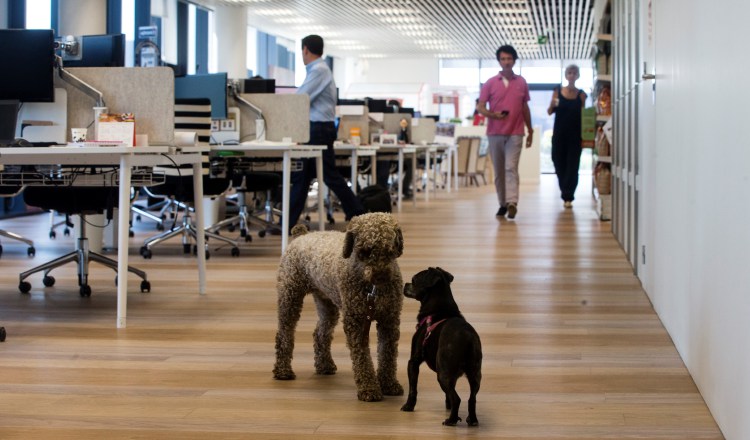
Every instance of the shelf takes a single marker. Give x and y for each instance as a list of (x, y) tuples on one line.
[(604, 37), (605, 159), (603, 118), (604, 78)]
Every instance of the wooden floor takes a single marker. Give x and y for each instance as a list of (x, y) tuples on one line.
[(572, 347)]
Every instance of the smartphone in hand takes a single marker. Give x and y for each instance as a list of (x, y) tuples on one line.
[(504, 113)]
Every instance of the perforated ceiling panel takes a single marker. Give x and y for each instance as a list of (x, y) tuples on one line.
[(538, 29)]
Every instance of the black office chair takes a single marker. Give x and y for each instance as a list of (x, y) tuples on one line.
[(12, 191), (246, 180), (80, 201), (191, 115)]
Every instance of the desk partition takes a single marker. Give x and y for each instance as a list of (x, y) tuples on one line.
[(286, 116), (148, 93)]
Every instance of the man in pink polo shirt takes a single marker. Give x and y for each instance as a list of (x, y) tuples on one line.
[(508, 96)]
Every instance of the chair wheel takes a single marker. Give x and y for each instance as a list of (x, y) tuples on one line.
[(145, 286), (243, 232), (146, 252), (66, 232), (248, 238), (159, 227), (24, 287), (48, 281), (235, 252), (85, 291), (52, 235), (138, 218), (262, 233), (31, 251), (231, 228), (131, 234), (208, 254), (2, 334), (186, 249)]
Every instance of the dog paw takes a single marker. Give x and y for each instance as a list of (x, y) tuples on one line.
[(327, 369), (408, 407), (370, 395), (392, 389), (283, 374), (451, 421), (472, 421)]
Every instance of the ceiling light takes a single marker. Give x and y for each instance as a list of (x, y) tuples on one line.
[(272, 12), (292, 20)]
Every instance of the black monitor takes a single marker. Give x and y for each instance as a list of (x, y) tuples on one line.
[(28, 65), (99, 51), (378, 106), (407, 110), (259, 85), (27, 75)]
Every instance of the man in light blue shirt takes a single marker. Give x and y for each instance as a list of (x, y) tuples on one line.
[(321, 88)]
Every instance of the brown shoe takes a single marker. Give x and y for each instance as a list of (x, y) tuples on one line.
[(512, 210)]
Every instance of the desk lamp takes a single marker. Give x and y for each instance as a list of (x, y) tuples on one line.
[(260, 122)]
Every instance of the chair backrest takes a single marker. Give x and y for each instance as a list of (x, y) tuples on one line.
[(193, 115)]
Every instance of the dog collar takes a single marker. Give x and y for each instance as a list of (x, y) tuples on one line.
[(427, 320)]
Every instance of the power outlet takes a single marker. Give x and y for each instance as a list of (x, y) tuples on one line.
[(215, 125)]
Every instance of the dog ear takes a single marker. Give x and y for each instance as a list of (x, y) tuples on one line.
[(399, 242), (348, 244), (445, 274)]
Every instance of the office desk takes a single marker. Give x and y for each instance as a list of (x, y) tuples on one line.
[(356, 152), (125, 158), (402, 150), (287, 151)]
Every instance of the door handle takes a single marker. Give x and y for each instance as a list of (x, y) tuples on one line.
[(646, 75)]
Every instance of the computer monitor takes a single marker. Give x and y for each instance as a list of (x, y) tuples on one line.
[(27, 75), (98, 51), (378, 106), (28, 57), (212, 86), (259, 85)]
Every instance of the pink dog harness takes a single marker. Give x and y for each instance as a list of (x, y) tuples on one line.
[(430, 326)]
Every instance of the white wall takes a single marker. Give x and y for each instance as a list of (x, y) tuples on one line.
[(698, 185), (231, 41), (83, 17)]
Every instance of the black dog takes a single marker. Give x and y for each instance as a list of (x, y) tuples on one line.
[(444, 340)]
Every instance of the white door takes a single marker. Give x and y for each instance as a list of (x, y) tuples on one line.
[(646, 139)]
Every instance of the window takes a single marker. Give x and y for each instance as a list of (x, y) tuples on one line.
[(39, 14)]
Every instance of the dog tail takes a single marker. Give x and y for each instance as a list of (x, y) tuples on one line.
[(298, 230)]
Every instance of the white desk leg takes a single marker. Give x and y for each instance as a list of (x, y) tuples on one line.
[(286, 174), (354, 170), (455, 166), (427, 168), (414, 177), (449, 169), (122, 241), (400, 178), (321, 187), (199, 226)]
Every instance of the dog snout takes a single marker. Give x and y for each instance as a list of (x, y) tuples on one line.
[(408, 290)]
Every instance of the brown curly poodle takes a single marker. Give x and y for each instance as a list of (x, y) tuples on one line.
[(354, 273)]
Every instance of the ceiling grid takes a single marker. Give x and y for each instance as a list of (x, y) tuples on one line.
[(430, 28)]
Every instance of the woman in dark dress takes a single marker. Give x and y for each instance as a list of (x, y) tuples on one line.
[(567, 103)]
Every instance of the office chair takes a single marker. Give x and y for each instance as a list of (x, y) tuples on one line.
[(12, 191), (191, 115), (79, 201), (246, 180)]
